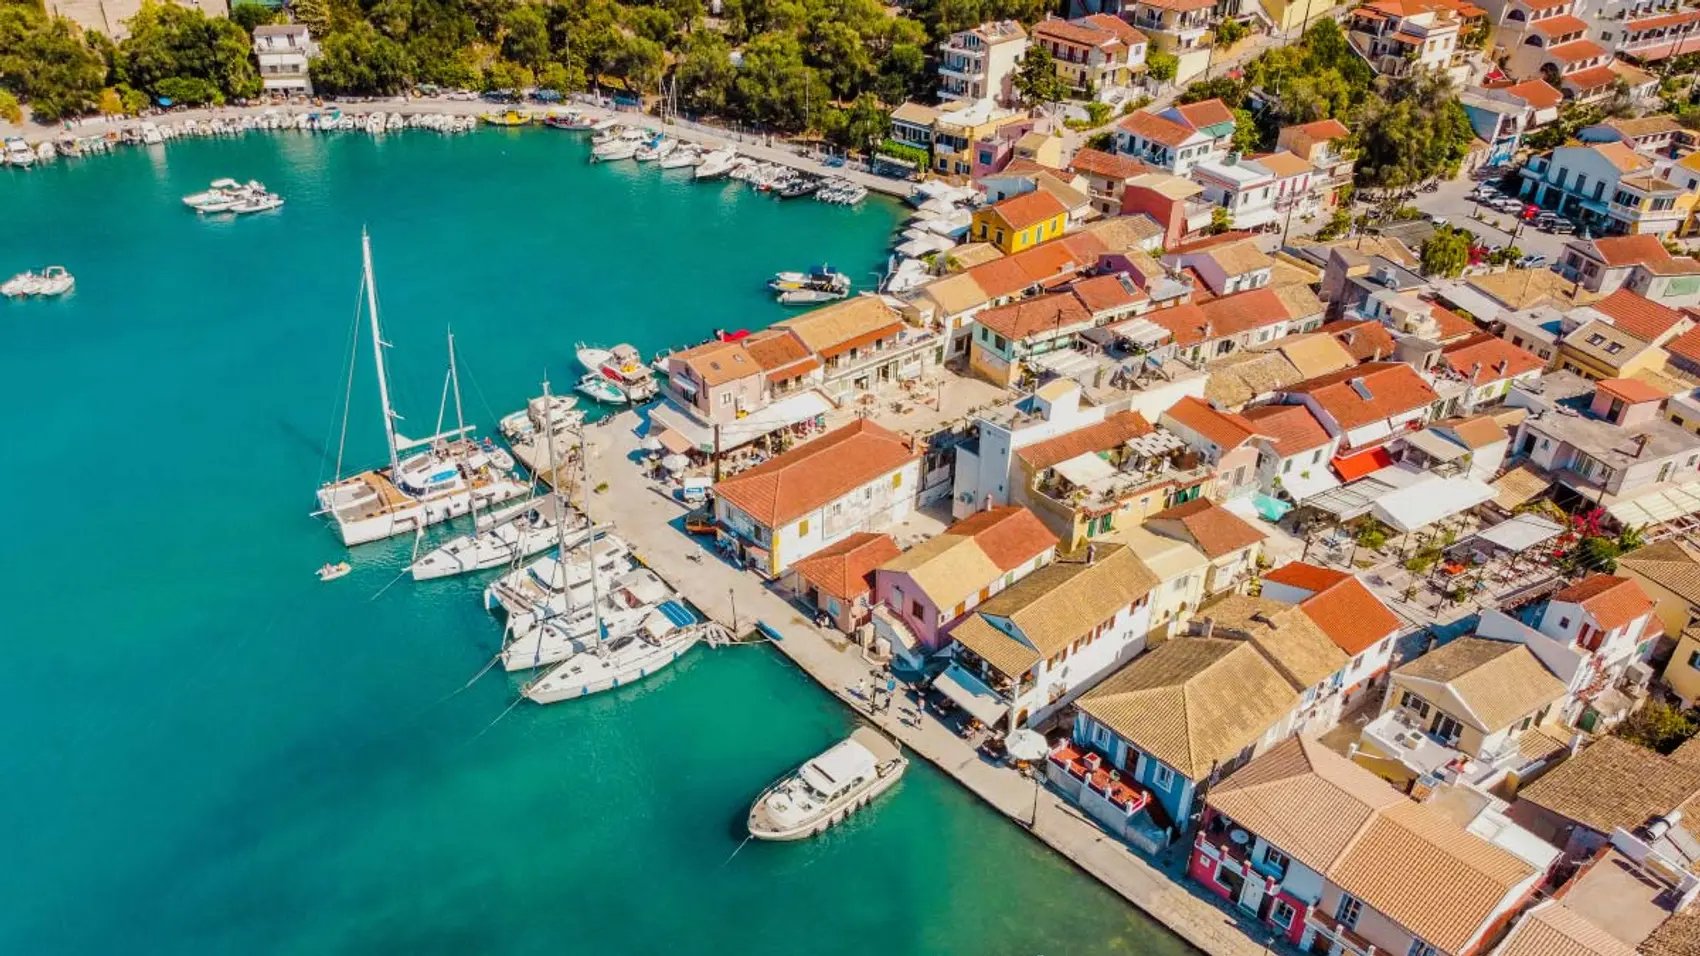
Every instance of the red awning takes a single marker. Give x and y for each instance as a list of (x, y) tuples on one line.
[(1353, 467)]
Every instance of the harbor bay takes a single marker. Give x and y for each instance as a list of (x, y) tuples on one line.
[(223, 755)]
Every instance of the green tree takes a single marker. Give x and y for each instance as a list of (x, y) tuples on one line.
[(1104, 142), (1230, 31), (1097, 113), (525, 37), (1446, 253), (361, 61), (210, 58), (1036, 80), (1658, 726), (1221, 220), (10, 110), (1161, 66), (1247, 137), (134, 100), (507, 75), (48, 63), (705, 75), (1230, 91), (316, 14), (250, 15), (866, 123)]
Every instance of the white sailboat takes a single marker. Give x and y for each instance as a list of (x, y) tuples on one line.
[(453, 476), (629, 600), (688, 154), (511, 534), (552, 585)]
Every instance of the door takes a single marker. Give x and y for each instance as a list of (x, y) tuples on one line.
[(1446, 728), (1252, 896)]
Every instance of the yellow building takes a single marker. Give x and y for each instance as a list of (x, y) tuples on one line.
[(1669, 571), (1601, 350), (1290, 16), (1020, 222)]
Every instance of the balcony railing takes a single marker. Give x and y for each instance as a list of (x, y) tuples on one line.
[(1350, 942)]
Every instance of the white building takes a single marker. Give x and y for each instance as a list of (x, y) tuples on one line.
[(858, 478), (1242, 187), (284, 51), (977, 64), (1358, 623), (1178, 138)]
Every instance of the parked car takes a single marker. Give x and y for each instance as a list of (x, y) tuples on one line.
[(1532, 261), (1564, 227), (1437, 221)]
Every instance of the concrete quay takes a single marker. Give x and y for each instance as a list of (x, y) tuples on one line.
[(651, 521)]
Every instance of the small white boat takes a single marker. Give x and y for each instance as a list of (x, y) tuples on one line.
[(220, 196), (513, 533), (54, 280), (595, 386), (623, 146), (331, 572), (263, 202), (659, 642), (525, 425), (21, 285), (717, 164), (688, 154), (18, 152), (592, 357), (655, 149), (825, 791)]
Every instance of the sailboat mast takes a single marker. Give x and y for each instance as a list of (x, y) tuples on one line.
[(378, 351), (560, 498), (590, 546), (454, 377)]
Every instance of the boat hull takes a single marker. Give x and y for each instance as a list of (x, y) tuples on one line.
[(832, 815), (424, 514), (595, 675)]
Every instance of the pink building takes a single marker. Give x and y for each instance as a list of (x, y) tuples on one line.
[(922, 592)]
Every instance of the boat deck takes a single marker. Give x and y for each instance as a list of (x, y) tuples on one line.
[(878, 744), (389, 497)]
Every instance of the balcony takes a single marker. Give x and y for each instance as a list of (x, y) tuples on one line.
[(1122, 807), (1349, 941)]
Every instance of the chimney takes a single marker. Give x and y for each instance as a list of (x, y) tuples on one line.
[(1349, 336), (1359, 386), (1502, 366), (1377, 356), (1475, 371), (1640, 445)]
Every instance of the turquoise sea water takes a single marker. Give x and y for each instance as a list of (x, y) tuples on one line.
[(209, 752)]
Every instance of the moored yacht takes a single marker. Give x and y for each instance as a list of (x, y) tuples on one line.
[(717, 164), (623, 146), (507, 536), (574, 629), (453, 476), (600, 388), (624, 367), (556, 413), (18, 152), (664, 635), (688, 154), (221, 195), (825, 791), (547, 586)]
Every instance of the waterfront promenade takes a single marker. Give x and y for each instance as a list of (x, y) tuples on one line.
[(651, 522)]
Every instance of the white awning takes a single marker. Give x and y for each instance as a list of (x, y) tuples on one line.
[(1521, 532), (1461, 296), (1436, 446), (971, 695), (784, 413), (1300, 488), (1083, 469), (1657, 507), (1424, 503)]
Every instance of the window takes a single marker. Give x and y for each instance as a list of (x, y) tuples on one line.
[(1411, 701), (1275, 860), (1694, 660), (1418, 947), (725, 398), (1348, 911), (803, 528), (1564, 623), (1161, 776), (915, 610), (897, 480), (1283, 914)]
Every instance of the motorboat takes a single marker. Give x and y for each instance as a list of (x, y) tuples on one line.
[(592, 357), (556, 412), (801, 185), (624, 146), (507, 118), (717, 163), (570, 121), (220, 196), (509, 535), (688, 154), (330, 572), (584, 624), (655, 149), (54, 280), (454, 474), (664, 635), (18, 152), (625, 368), (21, 285), (822, 283), (826, 790), (596, 386), (256, 202)]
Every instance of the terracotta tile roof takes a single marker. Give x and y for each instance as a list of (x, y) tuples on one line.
[(1352, 617), (1686, 345), (1193, 702), (717, 363), (845, 570), (1583, 49), (1105, 435), (1104, 293), (1624, 158), (1675, 265), (1055, 605), (1040, 315), (1227, 431), (1238, 378), (1677, 936), (972, 554), (1590, 79), (1394, 388), (1475, 433), (999, 278), (1244, 312), (1283, 163), (831, 329), (1559, 26), (1668, 564), (1537, 93), (1116, 166), (1204, 113), (1366, 341), (1212, 528), (809, 476), (1029, 209), (1641, 317), (1613, 783), (1306, 576), (1611, 600), (1324, 130), (1404, 859), (1631, 390), (1113, 24), (1490, 359), (1627, 250), (1451, 324), (1487, 684), (1238, 258), (1314, 353), (1155, 128), (1520, 485), (1635, 127), (1298, 648), (776, 349), (1186, 324), (1181, 5)]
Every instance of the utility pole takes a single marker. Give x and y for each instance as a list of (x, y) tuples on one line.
[(732, 595)]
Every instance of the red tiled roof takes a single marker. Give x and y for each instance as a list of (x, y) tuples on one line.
[(1029, 209), (1667, 20), (1305, 576), (1096, 162), (1123, 30), (1291, 429), (1074, 32), (1244, 311), (1206, 113), (1352, 617), (1155, 128), (1365, 340), (1631, 390), (1214, 529), (1637, 315), (1103, 293), (1495, 358), (1105, 435), (1210, 242), (1393, 388), (1009, 535), (1537, 93), (1559, 26), (1613, 601), (1040, 314), (1187, 323), (1628, 250), (815, 474), (1451, 324), (1000, 277), (1325, 129), (1686, 345), (846, 570), (1576, 50), (1226, 431), (1592, 78)]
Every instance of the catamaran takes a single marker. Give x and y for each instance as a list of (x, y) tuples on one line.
[(825, 791), (453, 476)]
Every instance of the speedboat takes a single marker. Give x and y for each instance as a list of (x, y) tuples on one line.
[(506, 118), (527, 424), (595, 386), (54, 280), (592, 357), (625, 368), (21, 285), (513, 533), (18, 152), (825, 791), (655, 149), (573, 122), (331, 572), (220, 196), (688, 154), (717, 164), (256, 202), (822, 283), (623, 146), (663, 636)]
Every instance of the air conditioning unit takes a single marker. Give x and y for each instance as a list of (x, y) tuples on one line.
[(1639, 673)]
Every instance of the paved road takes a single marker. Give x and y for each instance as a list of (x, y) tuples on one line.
[(1494, 228)]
